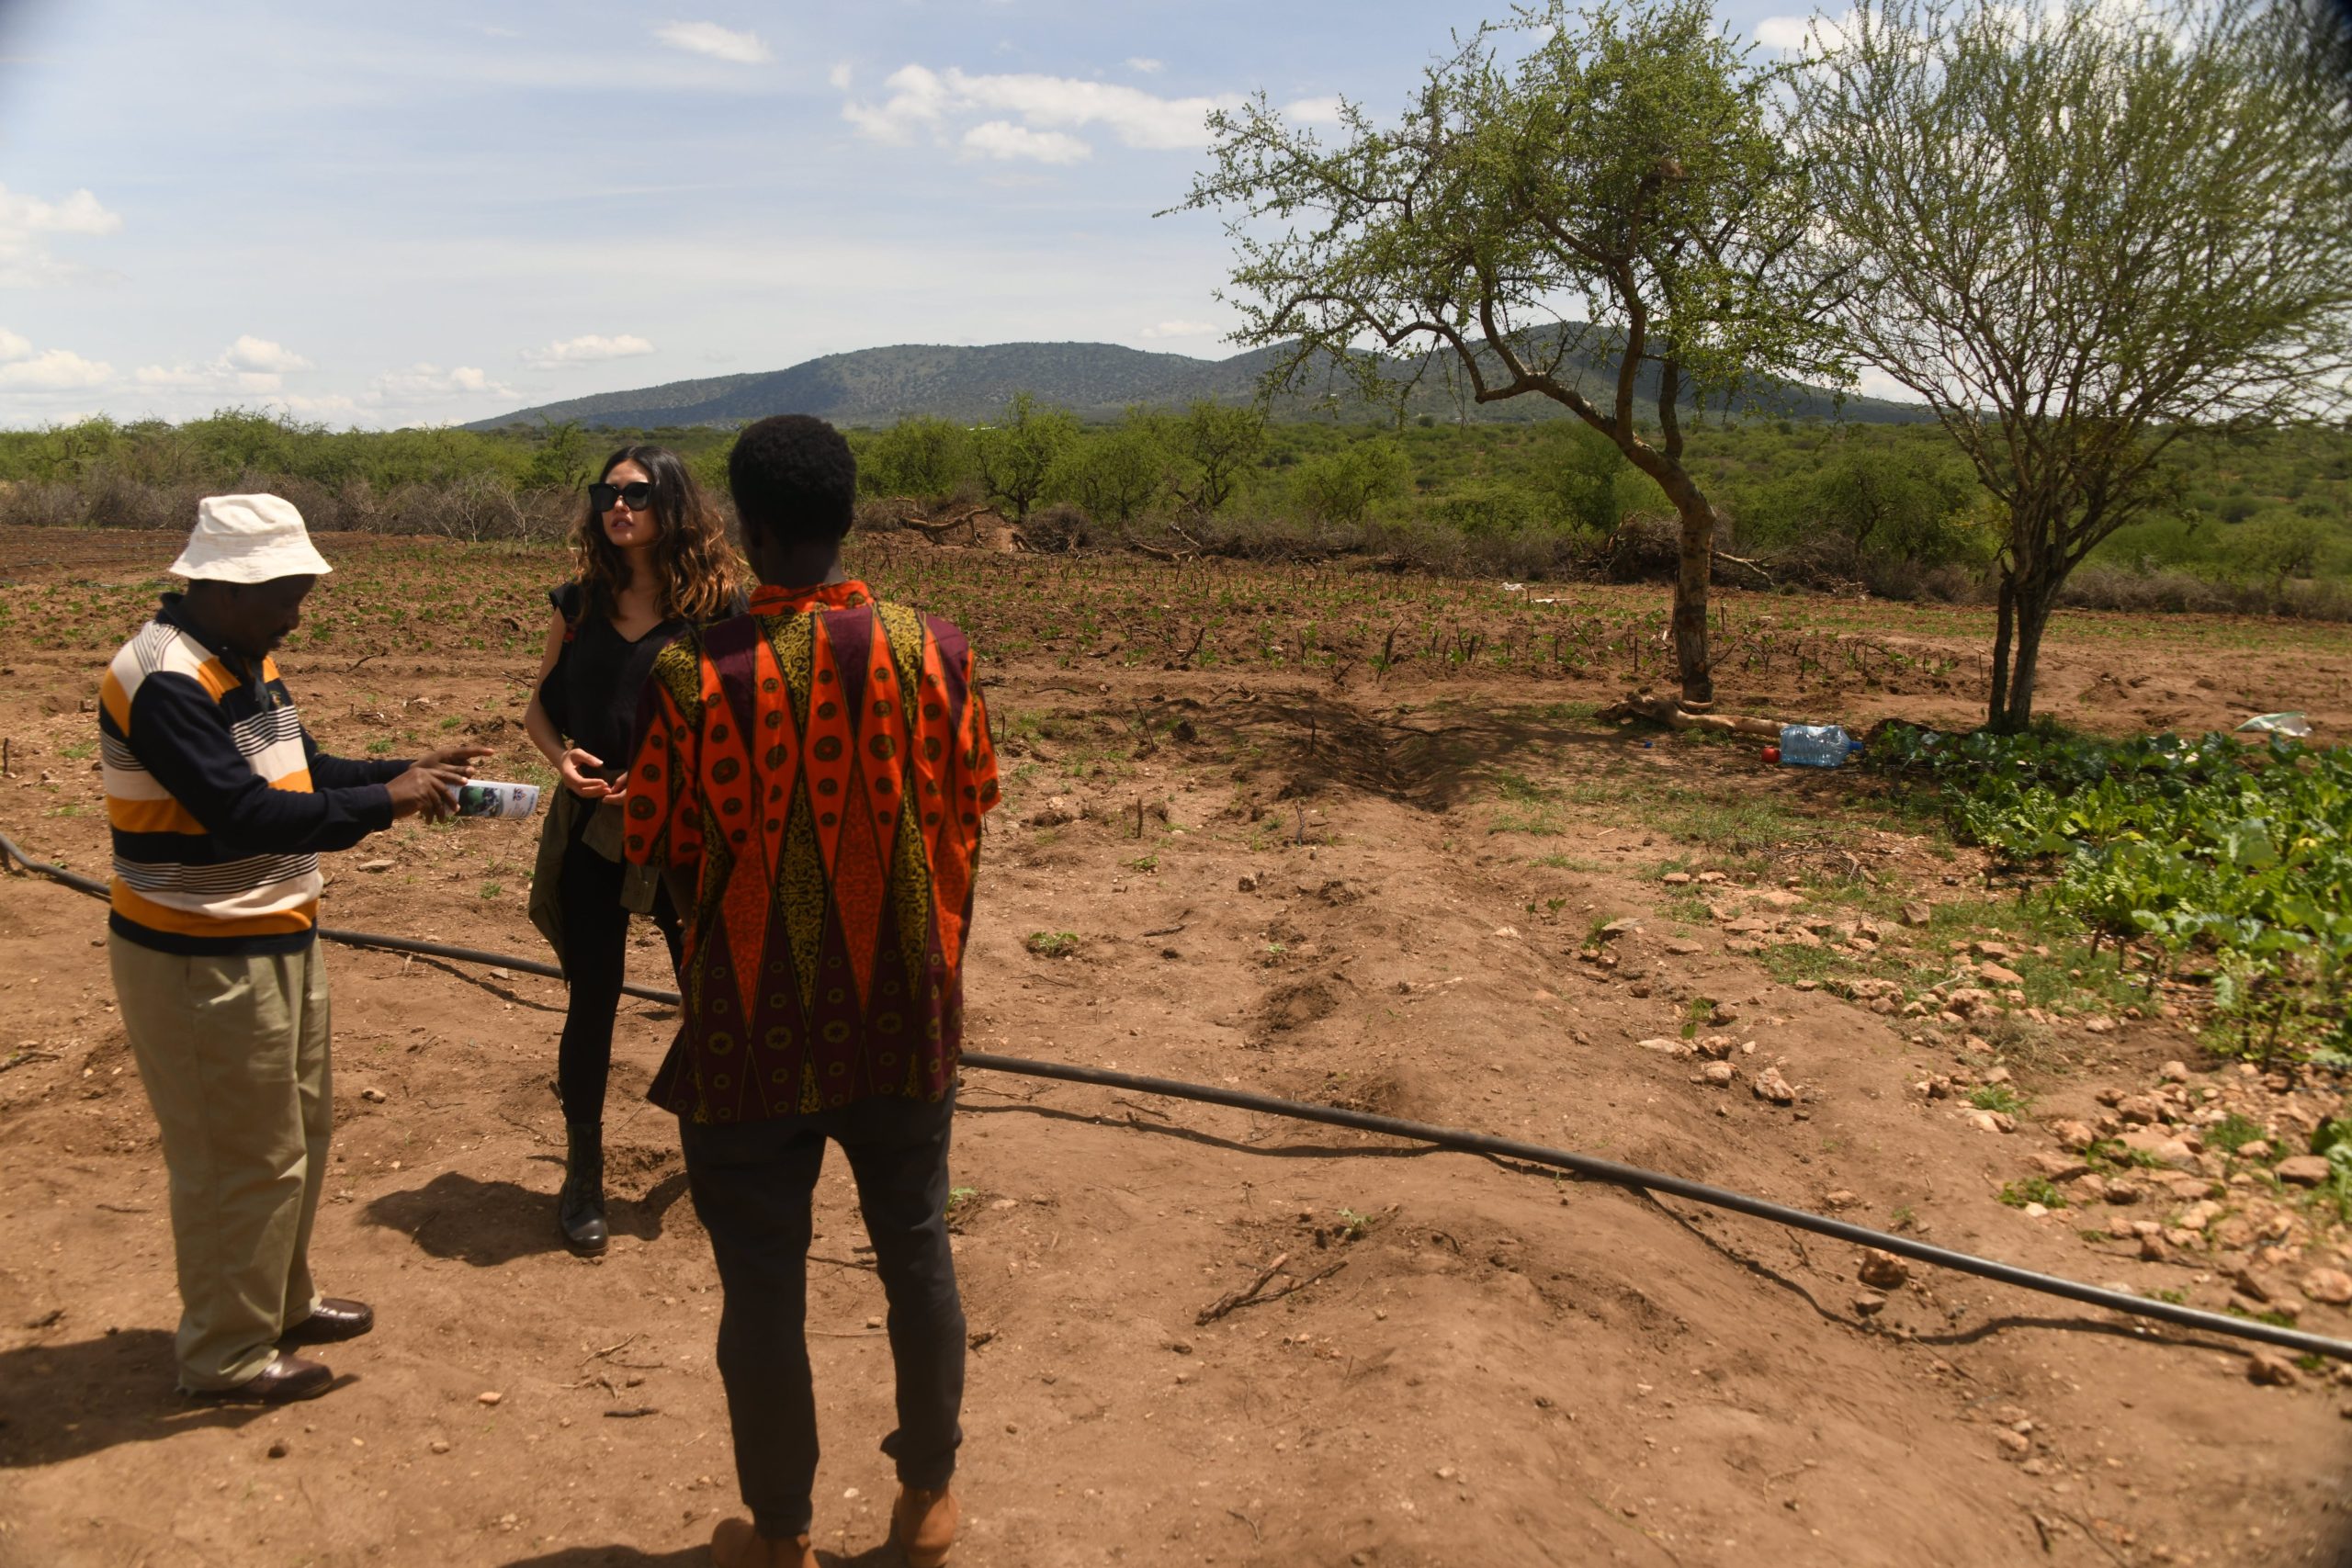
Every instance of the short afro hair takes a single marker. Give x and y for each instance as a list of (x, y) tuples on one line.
[(793, 478)]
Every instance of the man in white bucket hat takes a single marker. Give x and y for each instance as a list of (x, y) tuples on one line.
[(219, 805)]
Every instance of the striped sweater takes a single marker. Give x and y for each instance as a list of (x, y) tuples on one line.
[(219, 801)]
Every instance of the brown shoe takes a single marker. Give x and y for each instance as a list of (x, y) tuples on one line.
[(333, 1319), (284, 1381), (923, 1525), (736, 1544)]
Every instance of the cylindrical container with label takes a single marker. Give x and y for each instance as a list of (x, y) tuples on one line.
[(486, 797)]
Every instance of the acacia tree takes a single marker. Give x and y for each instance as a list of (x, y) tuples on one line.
[(1570, 189), (1113, 473), (2085, 234), (1216, 444), (1017, 458)]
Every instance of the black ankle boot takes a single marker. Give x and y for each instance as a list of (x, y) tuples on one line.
[(580, 1207)]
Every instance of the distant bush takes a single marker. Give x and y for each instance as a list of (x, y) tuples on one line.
[(919, 457), (1886, 510)]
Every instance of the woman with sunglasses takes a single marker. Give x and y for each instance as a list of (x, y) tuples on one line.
[(652, 558)]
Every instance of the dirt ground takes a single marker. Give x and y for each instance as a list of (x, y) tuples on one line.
[(1370, 894)]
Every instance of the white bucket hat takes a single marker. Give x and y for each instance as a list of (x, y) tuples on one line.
[(248, 538)]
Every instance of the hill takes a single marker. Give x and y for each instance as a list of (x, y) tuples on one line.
[(877, 386)]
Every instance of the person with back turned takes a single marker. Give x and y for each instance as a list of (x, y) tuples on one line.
[(219, 805), (811, 777)]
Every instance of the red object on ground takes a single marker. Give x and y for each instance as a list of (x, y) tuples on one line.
[(1772, 753)]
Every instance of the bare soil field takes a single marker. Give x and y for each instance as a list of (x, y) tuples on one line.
[(1342, 838)]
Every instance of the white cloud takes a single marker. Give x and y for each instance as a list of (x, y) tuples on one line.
[(720, 44), (217, 376), (1050, 106), (1794, 33), (26, 262), (57, 370), (1001, 139), (917, 96), (839, 76), (1313, 111), (250, 353), (1149, 67), (425, 382), (589, 349), (14, 345), (80, 213), (251, 365), (1179, 329)]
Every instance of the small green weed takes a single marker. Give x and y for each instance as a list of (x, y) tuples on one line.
[(2233, 1133), (1051, 945), (2033, 1189), (1998, 1097)]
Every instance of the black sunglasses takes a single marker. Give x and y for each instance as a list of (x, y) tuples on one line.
[(637, 497)]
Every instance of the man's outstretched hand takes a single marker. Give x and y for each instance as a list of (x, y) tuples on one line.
[(429, 787)]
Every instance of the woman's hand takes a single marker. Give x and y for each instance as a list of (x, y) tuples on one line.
[(571, 768)]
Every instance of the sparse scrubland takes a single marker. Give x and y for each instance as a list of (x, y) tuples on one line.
[(2264, 526)]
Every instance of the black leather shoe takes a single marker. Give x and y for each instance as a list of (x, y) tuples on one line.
[(580, 1207), (333, 1319), (284, 1381)]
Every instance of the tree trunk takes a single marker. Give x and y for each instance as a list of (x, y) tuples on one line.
[(2034, 602), (1996, 707), (1694, 566)]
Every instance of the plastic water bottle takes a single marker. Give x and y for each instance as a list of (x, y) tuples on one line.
[(1815, 745)]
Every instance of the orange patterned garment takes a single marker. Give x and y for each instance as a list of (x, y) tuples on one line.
[(822, 763)]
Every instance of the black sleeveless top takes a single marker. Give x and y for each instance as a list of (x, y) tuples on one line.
[(592, 692)]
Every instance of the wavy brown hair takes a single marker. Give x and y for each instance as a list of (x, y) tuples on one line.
[(697, 573)]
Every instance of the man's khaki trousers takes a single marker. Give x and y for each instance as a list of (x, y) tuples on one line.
[(233, 1052)]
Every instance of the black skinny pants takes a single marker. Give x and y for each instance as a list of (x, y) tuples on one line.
[(595, 947), (752, 1182)]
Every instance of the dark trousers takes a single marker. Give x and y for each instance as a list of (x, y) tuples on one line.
[(595, 947), (752, 1182)]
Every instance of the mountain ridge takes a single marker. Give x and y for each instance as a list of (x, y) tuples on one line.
[(971, 383)]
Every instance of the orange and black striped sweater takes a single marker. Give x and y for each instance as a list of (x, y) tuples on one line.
[(219, 800)]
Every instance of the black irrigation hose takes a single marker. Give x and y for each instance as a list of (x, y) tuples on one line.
[(1592, 1170)]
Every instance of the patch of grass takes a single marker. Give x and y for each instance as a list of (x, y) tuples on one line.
[(79, 752), (380, 747), (2113, 1154), (1998, 1097), (1521, 789), (1695, 1013), (2167, 1293), (2233, 1133), (1791, 961), (492, 889), (1051, 945), (959, 1196), (1145, 864), (2033, 1189), (1567, 862), (1687, 908)]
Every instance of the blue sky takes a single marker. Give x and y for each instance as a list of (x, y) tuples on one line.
[(430, 212)]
